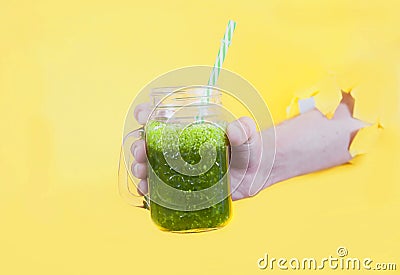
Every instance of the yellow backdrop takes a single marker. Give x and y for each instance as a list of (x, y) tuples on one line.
[(68, 72)]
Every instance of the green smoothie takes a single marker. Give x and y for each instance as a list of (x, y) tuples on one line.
[(190, 141)]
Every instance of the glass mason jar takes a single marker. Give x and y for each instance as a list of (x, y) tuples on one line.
[(187, 151)]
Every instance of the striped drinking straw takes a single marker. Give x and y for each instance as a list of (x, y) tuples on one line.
[(223, 49)]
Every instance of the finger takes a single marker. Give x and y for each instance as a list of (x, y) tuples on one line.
[(245, 144), (142, 112), (241, 131), (139, 170), (143, 187), (138, 150)]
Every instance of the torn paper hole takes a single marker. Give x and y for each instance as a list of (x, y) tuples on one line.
[(363, 134)]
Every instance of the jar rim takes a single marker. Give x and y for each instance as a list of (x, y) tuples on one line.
[(184, 89)]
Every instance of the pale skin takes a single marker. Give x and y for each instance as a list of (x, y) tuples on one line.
[(306, 143)]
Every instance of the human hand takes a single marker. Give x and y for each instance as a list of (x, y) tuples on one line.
[(306, 143)]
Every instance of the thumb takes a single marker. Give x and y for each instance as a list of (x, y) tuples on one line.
[(245, 143)]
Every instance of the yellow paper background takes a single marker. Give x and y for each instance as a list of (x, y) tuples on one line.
[(68, 72)]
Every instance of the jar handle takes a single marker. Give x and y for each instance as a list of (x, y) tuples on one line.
[(126, 186)]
